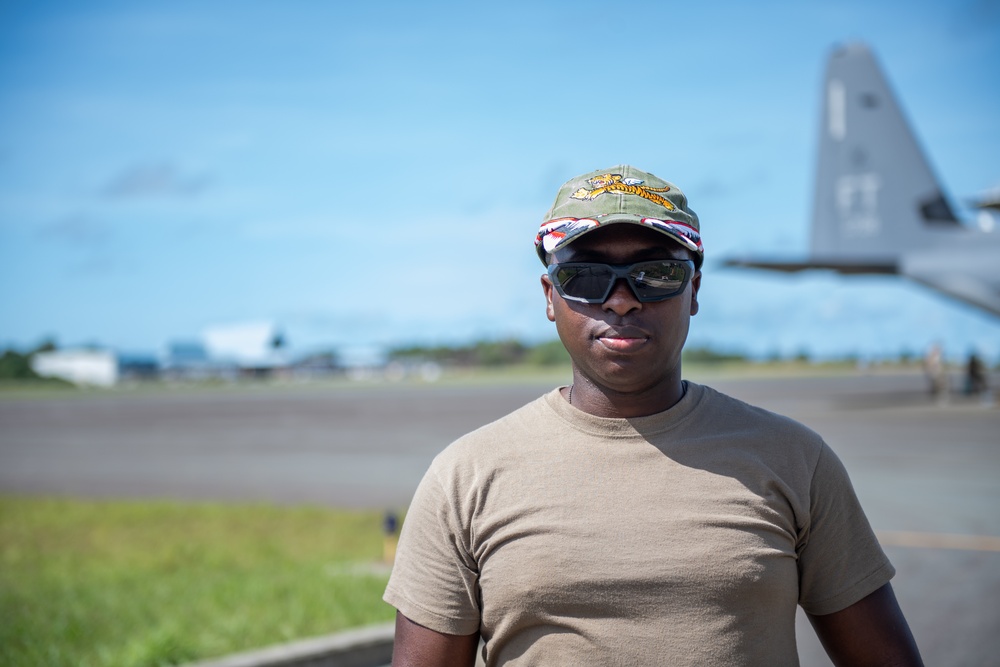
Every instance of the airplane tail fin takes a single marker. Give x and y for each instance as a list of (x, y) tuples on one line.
[(875, 193)]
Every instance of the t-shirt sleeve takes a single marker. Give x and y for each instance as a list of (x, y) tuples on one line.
[(840, 559), (434, 580)]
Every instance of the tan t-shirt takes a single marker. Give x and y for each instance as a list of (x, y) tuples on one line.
[(682, 538)]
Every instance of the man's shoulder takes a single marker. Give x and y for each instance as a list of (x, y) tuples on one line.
[(728, 413), (494, 439), (731, 432)]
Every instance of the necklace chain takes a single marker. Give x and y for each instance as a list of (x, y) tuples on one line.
[(571, 395)]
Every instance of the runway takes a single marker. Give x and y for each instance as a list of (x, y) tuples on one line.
[(928, 474)]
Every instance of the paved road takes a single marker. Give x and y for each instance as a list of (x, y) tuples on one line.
[(925, 471)]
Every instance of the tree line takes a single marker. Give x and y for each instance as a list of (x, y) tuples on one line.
[(16, 365), (511, 352)]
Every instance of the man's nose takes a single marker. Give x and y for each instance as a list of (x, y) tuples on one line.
[(622, 299)]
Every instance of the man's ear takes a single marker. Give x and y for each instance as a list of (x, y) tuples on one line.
[(548, 289), (695, 286)]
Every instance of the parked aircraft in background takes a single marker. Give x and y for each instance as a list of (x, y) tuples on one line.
[(877, 207)]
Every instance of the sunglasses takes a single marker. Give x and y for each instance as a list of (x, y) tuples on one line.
[(591, 282)]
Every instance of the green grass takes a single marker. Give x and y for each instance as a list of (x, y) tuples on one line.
[(142, 584)]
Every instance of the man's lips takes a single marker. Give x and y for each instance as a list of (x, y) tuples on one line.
[(622, 339), (622, 344)]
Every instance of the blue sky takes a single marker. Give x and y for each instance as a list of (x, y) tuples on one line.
[(374, 173)]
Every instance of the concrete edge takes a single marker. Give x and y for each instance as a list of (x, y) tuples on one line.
[(363, 647)]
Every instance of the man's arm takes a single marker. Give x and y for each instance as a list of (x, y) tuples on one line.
[(417, 646), (871, 631)]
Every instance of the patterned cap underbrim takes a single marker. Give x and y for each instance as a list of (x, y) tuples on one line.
[(558, 233)]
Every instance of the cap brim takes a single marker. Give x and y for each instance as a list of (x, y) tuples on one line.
[(559, 238)]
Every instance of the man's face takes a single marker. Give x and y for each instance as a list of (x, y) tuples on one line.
[(623, 345)]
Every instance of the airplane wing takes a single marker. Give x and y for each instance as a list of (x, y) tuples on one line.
[(840, 265)]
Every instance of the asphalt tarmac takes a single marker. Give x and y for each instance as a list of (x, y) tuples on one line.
[(927, 472)]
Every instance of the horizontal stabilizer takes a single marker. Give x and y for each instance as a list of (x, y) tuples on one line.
[(840, 265), (990, 200)]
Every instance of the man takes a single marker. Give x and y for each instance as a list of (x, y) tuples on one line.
[(634, 518)]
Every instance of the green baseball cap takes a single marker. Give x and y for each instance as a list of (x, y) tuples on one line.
[(618, 195)]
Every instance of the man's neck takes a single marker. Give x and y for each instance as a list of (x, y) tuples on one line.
[(601, 401)]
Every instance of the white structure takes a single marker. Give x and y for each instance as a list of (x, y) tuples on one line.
[(93, 367), (251, 345)]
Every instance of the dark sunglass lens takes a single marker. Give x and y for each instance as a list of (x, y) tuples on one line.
[(584, 282), (658, 279)]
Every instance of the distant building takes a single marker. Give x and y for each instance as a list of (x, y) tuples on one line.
[(189, 360), (184, 353), (91, 367), (134, 367), (316, 366)]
